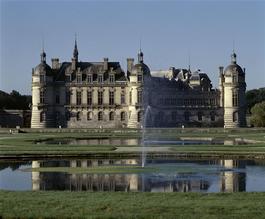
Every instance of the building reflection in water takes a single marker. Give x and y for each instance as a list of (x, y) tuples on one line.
[(230, 180)]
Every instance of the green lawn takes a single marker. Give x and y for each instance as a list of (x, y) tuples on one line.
[(131, 205), (24, 144)]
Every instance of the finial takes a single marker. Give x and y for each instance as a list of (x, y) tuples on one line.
[(233, 46), (43, 54), (189, 60)]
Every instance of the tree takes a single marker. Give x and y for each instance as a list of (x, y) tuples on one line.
[(257, 118), (254, 96)]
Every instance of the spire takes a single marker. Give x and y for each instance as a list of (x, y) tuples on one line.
[(140, 54), (75, 53), (233, 56), (42, 54)]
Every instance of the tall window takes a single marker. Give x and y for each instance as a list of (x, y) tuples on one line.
[(67, 97), (78, 97), (57, 99), (100, 97), (212, 116), (139, 116), (123, 115), (235, 116), (78, 116), (89, 97), (187, 116), (174, 116), (139, 96), (111, 116), (122, 97), (78, 78), (42, 116), (100, 116), (111, 78), (42, 96), (130, 97), (234, 78), (199, 116), (42, 78), (139, 78), (235, 98), (89, 78), (111, 98), (89, 116), (68, 78), (100, 78)]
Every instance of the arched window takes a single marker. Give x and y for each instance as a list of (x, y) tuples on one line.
[(235, 116), (187, 116), (42, 116), (123, 116), (89, 115), (111, 116), (78, 116), (100, 116), (199, 116)]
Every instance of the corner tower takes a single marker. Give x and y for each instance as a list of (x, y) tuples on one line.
[(234, 87)]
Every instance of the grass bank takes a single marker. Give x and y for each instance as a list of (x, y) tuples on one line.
[(24, 144), (131, 205)]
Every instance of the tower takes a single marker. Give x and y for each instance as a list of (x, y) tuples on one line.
[(137, 75), (42, 93), (234, 88)]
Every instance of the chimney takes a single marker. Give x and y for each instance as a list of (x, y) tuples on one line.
[(221, 70), (130, 64), (105, 65), (55, 63)]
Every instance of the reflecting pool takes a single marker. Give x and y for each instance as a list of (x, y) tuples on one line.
[(165, 175)]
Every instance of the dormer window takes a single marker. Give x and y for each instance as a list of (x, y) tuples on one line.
[(68, 78), (42, 78), (78, 78), (139, 78), (111, 78), (89, 78), (100, 78)]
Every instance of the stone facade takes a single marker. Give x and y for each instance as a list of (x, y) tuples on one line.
[(101, 95)]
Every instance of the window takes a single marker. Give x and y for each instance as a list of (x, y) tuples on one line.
[(100, 78), (234, 78), (78, 116), (67, 116), (212, 116), (68, 78), (89, 78), (139, 96), (42, 116), (42, 78), (42, 96), (235, 116), (67, 97), (235, 98), (139, 116), (187, 116), (111, 116), (174, 116), (122, 97), (139, 78), (123, 115), (89, 97), (100, 116), (89, 116), (78, 98), (130, 97), (78, 79), (111, 78), (57, 99), (100, 97), (199, 116), (111, 98)]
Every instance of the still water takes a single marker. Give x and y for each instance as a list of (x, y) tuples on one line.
[(138, 141), (172, 176)]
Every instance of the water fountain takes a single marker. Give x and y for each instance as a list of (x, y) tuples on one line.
[(143, 141)]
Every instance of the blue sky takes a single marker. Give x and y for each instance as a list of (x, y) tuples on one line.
[(169, 31)]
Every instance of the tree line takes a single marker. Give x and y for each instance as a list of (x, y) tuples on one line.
[(14, 100)]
